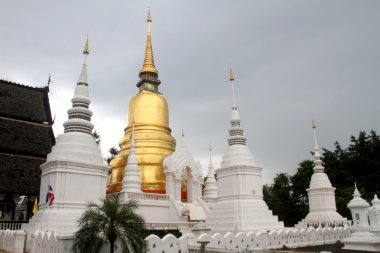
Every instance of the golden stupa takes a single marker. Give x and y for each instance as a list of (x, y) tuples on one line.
[(148, 111)]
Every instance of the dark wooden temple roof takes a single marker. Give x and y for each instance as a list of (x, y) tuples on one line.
[(24, 102), (26, 137)]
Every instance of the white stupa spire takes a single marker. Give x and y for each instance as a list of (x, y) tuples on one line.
[(83, 74), (80, 115), (132, 179), (356, 191), (357, 200), (376, 202), (314, 126), (210, 162), (239, 205), (183, 142), (211, 189), (318, 167), (236, 136), (74, 169), (322, 206)]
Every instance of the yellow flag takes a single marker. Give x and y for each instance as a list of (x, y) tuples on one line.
[(35, 207)]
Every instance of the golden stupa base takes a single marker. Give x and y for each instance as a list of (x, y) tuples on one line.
[(113, 188), (155, 191), (148, 188)]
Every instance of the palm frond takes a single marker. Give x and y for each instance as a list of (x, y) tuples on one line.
[(107, 222)]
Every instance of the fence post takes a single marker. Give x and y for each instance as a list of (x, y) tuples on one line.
[(20, 241)]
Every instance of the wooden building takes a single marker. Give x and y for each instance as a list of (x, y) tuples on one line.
[(26, 137)]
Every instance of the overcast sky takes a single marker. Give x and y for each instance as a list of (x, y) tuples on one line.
[(292, 60)]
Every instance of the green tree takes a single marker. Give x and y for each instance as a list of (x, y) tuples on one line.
[(360, 163), (113, 153), (301, 180), (279, 197), (107, 222), (96, 136)]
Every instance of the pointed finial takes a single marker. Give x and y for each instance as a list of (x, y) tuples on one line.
[(314, 126), (234, 106), (231, 75), (210, 149), (149, 19), (356, 191), (86, 49), (148, 65), (183, 138), (83, 74)]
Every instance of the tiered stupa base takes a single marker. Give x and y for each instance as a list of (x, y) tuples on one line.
[(242, 213), (75, 169)]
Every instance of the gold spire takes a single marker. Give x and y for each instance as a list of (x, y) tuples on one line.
[(86, 49), (231, 75), (149, 20), (148, 65), (313, 125)]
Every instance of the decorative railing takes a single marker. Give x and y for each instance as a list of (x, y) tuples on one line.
[(248, 242), (170, 226), (147, 196), (11, 225), (326, 224)]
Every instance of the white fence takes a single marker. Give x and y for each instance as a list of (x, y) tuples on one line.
[(46, 242), (12, 240), (291, 238)]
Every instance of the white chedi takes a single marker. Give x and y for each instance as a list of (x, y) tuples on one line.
[(210, 191), (361, 238), (75, 168), (374, 216), (132, 180), (240, 205), (322, 206), (359, 210)]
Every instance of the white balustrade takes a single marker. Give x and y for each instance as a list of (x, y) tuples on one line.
[(291, 238), (147, 196)]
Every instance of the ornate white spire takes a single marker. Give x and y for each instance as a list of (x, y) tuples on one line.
[(183, 142), (357, 201), (210, 162), (132, 179), (236, 136), (83, 74), (211, 188), (318, 167), (356, 192), (80, 115), (376, 202)]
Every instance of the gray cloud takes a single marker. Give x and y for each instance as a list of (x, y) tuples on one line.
[(292, 60)]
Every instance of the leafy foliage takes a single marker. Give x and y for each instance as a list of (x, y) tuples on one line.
[(107, 222), (96, 136), (359, 162), (282, 201), (113, 153)]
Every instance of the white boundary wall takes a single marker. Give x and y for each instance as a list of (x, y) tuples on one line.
[(46, 242), (231, 242), (12, 241)]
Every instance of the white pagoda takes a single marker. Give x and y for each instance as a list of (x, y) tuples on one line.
[(74, 170), (322, 207), (240, 205)]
